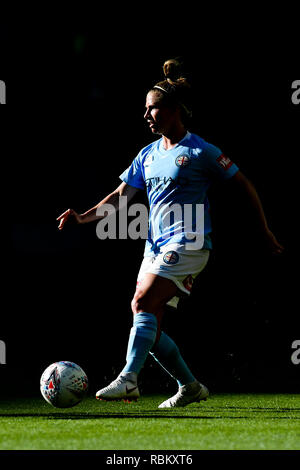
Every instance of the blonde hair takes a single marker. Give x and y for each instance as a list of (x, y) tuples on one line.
[(175, 89)]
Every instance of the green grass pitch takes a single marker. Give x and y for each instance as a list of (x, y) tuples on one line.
[(224, 422)]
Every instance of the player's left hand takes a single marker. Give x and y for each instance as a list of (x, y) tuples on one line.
[(272, 244)]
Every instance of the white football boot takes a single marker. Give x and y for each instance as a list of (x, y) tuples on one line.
[(123, 388), (190, 393)]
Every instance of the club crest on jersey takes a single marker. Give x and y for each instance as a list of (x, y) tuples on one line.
[(182, 160), (171, 257), (224, 162)]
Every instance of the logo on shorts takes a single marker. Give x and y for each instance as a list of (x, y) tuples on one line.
[(171, 257), (188, 282), (182, 160)]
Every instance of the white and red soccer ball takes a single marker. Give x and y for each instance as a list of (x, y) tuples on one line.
[(64, 384)]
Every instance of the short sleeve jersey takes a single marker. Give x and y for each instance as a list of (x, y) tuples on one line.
[(178, 177)]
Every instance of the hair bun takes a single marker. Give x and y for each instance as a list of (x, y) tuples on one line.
[(172, 69)]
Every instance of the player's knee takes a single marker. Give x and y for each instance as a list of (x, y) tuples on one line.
[(142, 303), (138, 304)]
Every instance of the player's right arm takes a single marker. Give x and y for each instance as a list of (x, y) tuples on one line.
[(89, 216)]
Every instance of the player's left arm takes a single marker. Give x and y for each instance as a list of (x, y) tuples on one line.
[(243, 184)]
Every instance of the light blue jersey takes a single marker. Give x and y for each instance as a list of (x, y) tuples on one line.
[(177, 177)]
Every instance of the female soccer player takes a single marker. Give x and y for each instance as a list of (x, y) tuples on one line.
[(176, 170)]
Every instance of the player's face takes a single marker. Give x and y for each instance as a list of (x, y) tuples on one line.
[(160, 118)]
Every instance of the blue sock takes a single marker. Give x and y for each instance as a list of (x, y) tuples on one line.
[(167, 354), (141, 339)]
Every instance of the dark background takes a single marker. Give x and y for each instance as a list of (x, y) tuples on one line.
[(73, 123)]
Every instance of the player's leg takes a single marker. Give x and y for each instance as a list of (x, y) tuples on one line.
[(167, 353), (147, 306), (152, 294), (169, 357)]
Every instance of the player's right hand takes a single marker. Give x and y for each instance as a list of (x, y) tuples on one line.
[(69, 214)]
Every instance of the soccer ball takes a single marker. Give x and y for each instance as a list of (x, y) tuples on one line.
[(64, 384)]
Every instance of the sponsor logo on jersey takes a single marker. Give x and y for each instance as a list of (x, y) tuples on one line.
[(171, 257), (165, 180), (224, 162), (182, 160)]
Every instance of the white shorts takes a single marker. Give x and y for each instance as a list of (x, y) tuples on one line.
[(177, 264)]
